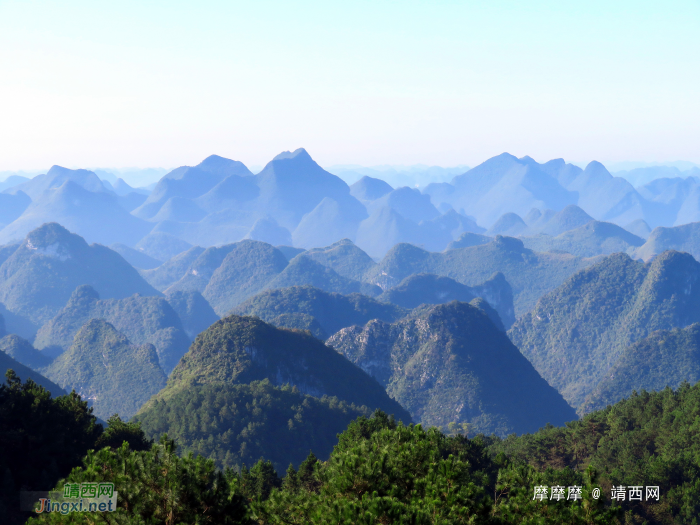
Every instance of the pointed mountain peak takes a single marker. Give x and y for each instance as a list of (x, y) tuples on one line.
[(596, 168), (299, 154), (223, 166), (504, 156), (528, 160), (83, 294), (61, 171), (52, 237), (509, 243)]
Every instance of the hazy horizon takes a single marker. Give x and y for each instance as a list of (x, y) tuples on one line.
[(348, 172)]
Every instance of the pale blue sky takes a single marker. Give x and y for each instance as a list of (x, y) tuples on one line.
[(156, 83)]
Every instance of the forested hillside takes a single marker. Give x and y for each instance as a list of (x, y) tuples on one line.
[(578, 332), (449, 364)]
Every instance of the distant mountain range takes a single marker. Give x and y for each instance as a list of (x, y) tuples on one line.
[(292, 201), (506, 184)]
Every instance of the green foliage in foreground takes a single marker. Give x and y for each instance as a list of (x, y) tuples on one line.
[(156, 487), (381, 472), (235, 425), (648, 439), (41, 439)]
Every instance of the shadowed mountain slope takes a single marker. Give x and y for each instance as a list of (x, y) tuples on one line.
[(304, 270), (450, 363), (172, 270), (508, 224), (594, 238), (369, 189), (136, 258), (22, 351), (24, 373), (162, 246), (193, 310), (684, 238), (419, 289)]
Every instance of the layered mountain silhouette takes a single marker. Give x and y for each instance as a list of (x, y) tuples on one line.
[(505, 184), (293, 201), (530, 274), (39, 277), (78, 200), (141, 319), (423, 288), (501, 185), (450, 363), (308, 307)]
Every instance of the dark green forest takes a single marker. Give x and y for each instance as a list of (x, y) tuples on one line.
[(379, 470)]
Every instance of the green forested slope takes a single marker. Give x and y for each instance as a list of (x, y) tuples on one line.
[(648, 439), (246, 270), (579, 331), (238, 350), (143, 320), (664, 358), (344, 258), (236, 425), (106, 369)]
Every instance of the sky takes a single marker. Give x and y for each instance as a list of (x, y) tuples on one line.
[(118, 84)]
